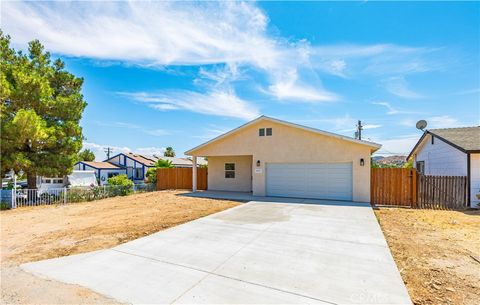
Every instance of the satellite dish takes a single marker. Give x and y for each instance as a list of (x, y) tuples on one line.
[(421, 124)]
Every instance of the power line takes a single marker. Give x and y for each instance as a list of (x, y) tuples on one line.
[(358, 133), (108, 150)]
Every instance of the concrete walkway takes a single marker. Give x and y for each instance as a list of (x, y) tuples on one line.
[(259, 252)]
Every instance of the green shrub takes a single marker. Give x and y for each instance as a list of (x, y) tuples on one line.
[(152, 175), (119, 185), (164, 164)]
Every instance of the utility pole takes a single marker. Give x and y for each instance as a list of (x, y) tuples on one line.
[(359, 130), (108, 150)]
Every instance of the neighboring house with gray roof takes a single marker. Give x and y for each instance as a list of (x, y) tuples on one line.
[(451, 152)]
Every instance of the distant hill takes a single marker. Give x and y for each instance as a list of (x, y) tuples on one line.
[(392, 161)]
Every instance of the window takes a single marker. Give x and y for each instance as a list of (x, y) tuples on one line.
[(58, 180), (420, 166), (110, 175), (229, 170), (269, 131), (261, 132), (138, 173)]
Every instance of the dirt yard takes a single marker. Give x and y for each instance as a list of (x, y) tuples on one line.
[(435, 252), (36, 233)]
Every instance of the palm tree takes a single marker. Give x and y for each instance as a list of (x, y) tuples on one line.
[(169, 152)]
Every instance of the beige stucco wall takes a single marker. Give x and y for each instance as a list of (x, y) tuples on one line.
[(289, 144), (243, 174)]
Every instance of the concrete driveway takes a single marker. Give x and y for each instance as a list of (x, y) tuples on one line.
[(322, 252)]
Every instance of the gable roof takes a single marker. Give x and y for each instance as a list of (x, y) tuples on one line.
[(141, 159), (100, 165), (374, 146), (466, 139), (136, 157)]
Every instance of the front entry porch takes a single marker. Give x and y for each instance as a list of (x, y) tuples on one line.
[(227, 173)]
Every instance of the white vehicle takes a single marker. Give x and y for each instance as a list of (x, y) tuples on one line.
[(82, 179)]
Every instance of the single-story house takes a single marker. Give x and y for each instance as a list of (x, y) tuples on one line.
[(450, 152), (103, 170), (136, 165), (271, 157)]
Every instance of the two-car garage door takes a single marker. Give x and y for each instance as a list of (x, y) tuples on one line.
[(310, 180)]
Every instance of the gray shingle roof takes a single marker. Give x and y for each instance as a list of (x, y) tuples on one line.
[(467, 138)]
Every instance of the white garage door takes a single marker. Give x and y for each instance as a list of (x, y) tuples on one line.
[(310, 180)]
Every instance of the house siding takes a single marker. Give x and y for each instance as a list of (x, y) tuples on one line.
[(474, 179), (243, 174), (441, 159), (291, 145)]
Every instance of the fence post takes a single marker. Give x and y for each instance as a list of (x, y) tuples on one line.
[(414, 188), (64, 195), (14, 199)]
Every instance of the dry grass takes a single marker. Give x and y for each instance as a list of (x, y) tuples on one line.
[(433, 250), (36, 233)]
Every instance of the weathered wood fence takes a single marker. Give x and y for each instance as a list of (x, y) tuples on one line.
[(442, 192), (405, 187), (393, 186), (180, 178)]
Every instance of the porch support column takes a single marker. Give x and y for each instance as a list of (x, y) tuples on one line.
[(194, 174)]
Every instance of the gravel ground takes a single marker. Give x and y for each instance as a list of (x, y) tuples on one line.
[(435, 252)]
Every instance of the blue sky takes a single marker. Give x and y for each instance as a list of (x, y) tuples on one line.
[(176, 74)]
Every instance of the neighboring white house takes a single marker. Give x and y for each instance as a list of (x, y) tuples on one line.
[(103, 170), (451, 152)]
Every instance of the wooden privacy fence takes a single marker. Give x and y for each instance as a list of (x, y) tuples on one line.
[(442, 192), (393, 186), (180, 178), (405, 187)]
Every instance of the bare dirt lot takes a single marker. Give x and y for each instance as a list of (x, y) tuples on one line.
[(36, 233), (433, 251)]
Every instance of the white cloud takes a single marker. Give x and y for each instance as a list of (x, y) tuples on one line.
[(100, 155), (399, 87), (288, 87), (442, 121), (221, 103), (152, 132), (372, 126), (156, 34), (375, 60), (398, 145), (390, 111), (153, 33), (150, 150)]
